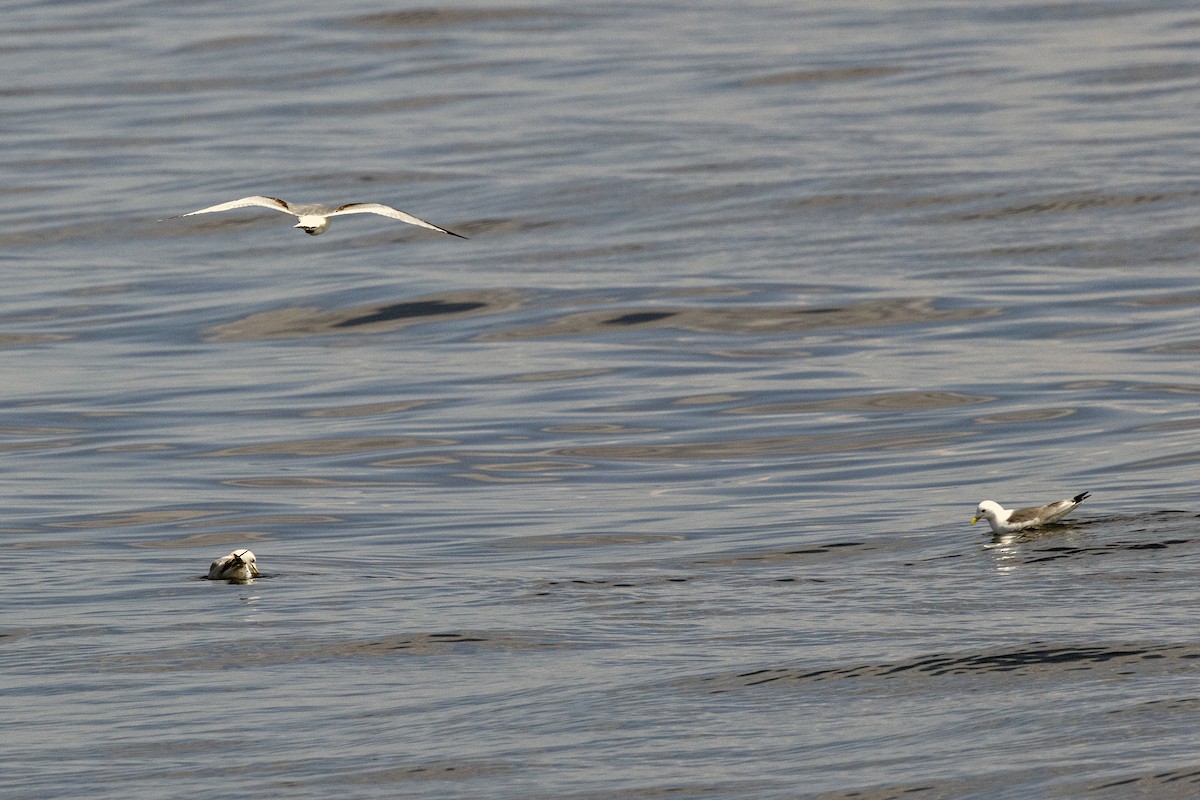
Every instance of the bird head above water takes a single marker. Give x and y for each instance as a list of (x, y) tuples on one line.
[(240, 566), (988, 510)]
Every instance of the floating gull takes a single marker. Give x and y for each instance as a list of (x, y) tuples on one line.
[(237, 567), (1005, 520), (314, 217)]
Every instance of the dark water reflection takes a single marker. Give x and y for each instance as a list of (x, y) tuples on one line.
[(391, 316), (747, 319), (374, 318)]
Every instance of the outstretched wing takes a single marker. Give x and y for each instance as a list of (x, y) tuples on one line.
[(256, 200), (388, 211)]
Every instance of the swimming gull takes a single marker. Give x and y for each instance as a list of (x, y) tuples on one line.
[(237, 567), (314, 217), (1004, 520)]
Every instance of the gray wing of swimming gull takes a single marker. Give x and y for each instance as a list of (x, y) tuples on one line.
[(1048, 513), (388, 211), (1024, 515), (256, 200)]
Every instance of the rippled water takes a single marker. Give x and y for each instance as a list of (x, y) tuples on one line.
[(659, 484)]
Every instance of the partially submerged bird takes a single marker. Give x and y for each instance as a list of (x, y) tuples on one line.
[(237, 567), (1004, 520), (314, 217)]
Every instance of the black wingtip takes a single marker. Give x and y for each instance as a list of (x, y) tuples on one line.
[(1079, 498), (452, 233)]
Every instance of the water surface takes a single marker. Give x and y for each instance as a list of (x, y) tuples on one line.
[(659, 484)]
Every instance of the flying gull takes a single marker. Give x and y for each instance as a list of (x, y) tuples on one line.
[(237, 567), (314, 217), (1004, 520)]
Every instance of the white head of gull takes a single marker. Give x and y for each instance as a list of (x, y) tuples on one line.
[(314, 217), (1005, 520), (238, 567)]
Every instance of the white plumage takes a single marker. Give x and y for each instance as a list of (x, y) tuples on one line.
[(238, 567), (314, 217), (1005, 520)]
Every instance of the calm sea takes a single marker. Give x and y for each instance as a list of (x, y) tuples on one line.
[(658, 485)]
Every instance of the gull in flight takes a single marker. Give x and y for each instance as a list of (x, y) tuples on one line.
[(314, 217), (237, 567), (1006, 520)]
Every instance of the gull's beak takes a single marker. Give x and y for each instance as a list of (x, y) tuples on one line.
[(974, 520), (254, 571)]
